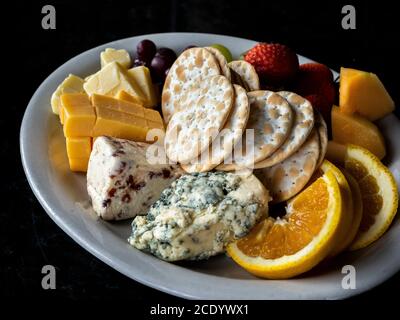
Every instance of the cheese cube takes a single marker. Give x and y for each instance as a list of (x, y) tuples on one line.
[(78, 164), (124, 125), (79, 147), (102, 101), (70, 84), (117, 104), (110, 80), (120, 56), (143, 78), (123, 95), (78, 115), (119, 125)]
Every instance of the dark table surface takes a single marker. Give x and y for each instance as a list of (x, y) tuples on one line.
[(29, 239)]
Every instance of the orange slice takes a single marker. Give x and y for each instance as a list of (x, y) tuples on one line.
[(357, 208), (285, 247), (347, 207), (378, 192)]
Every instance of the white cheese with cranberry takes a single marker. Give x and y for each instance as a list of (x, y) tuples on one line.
[(199, 214), (121, 182)]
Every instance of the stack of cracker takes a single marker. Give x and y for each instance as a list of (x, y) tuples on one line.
[(209, 106)]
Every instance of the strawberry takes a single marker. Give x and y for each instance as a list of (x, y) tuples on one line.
[(276, 64), (311, 76), (315, 83), (318, 71), (320, 103)]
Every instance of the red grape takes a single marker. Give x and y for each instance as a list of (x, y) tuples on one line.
[(161, 63), (168, 54), (146, 49)]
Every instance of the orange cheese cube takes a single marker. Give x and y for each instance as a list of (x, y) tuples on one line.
[(78, 115), (123, 95), (119, 125), (108, 102), (79, 147), (122, 125), (78, 164), (102, 101)]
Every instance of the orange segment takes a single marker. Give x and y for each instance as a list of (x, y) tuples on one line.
[(285, 247)]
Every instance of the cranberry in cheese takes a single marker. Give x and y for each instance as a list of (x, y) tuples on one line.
[(120, 181)]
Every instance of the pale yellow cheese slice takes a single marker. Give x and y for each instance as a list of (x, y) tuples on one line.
[(71, 84), (110, 55), (142, 77), (110, 80)]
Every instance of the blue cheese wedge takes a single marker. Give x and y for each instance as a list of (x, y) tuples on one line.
[(121, 182), (199, 214)]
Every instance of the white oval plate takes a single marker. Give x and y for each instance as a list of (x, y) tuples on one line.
[(63, 195)]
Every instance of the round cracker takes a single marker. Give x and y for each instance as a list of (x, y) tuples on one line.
[(192, 65), (302, 126), (271, 119), (286, 179), (223, 64), (247, 73), (206, 108), (230, 134), (322, 130)]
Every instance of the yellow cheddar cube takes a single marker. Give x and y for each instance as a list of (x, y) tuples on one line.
[(119, 125), (154, 116), (78, 164), (110, 80), (79, 147), (102, 101), (120, 56), (143, 78), (71, 84), (123, 95), (78, 115)]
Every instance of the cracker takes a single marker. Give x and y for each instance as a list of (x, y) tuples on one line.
[(286, 179), (206, 108), (192, 65), (302, 126), (228, 137), (223, 64), (270, 120), (247, 74), (322, 130)]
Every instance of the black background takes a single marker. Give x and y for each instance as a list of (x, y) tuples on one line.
[(28, 237)]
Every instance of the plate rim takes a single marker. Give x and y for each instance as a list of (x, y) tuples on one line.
[(104, 255)]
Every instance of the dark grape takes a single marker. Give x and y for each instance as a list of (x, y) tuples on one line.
[(168, 54), (146, 49), (159, 65)]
